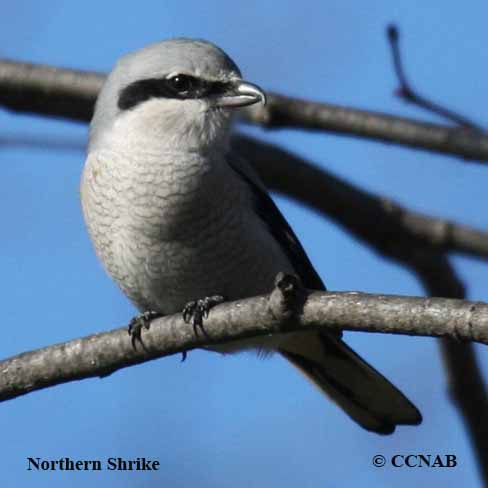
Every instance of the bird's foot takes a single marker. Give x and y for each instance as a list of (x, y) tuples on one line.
[(197, 310), (139, 322)]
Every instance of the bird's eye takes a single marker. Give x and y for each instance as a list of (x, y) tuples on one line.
[(182, 84)]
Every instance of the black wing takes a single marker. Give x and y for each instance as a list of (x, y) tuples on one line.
[(280, 229)]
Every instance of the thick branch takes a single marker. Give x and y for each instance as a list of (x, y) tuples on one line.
[(466, 386), (102, 354), (465, 382), (389, 228), (47, 90), (417, 241), (287, 112), (56, 91)]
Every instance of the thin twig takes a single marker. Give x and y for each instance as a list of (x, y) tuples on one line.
[(410, 95)]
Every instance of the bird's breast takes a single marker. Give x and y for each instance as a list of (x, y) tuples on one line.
[(170, 230)]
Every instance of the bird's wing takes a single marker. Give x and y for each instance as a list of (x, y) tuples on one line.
[(277, 225), (361, 391)]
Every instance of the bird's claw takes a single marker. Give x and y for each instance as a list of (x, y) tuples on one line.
[(143, 320), (195, 311)]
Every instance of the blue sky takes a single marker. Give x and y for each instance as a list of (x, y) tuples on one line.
[(235, 421)]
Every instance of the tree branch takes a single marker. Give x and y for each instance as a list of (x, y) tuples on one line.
[(411, 96), (46, 90), (102, 354), (392, 230), (412, 239), (287, 112), (26, 87)]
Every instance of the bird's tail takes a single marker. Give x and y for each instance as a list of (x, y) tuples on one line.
[(363, 393)]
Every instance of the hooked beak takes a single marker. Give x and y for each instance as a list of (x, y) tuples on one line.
[(240, 94)]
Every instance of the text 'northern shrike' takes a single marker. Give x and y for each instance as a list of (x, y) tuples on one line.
[(176, 216)]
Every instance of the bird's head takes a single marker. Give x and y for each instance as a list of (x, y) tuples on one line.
[(179, 93)]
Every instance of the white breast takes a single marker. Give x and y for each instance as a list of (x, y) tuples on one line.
[(171, 228)]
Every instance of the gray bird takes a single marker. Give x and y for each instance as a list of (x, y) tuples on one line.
[(175, 216)]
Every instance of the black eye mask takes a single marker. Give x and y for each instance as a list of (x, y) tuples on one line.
[(179, 86)]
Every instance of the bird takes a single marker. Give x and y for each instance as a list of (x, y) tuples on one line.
[(180, 221)]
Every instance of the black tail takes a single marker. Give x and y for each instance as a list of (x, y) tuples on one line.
[(363, 393)]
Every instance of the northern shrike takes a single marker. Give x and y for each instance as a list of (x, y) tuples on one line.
[(175, 216)]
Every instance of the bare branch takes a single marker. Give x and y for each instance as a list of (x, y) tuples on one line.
[(467, 391), (467, 388), (287, 112), (71, 94), (416, 241), (392, 230), (410, 95), (47, 90), (102, 354)]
